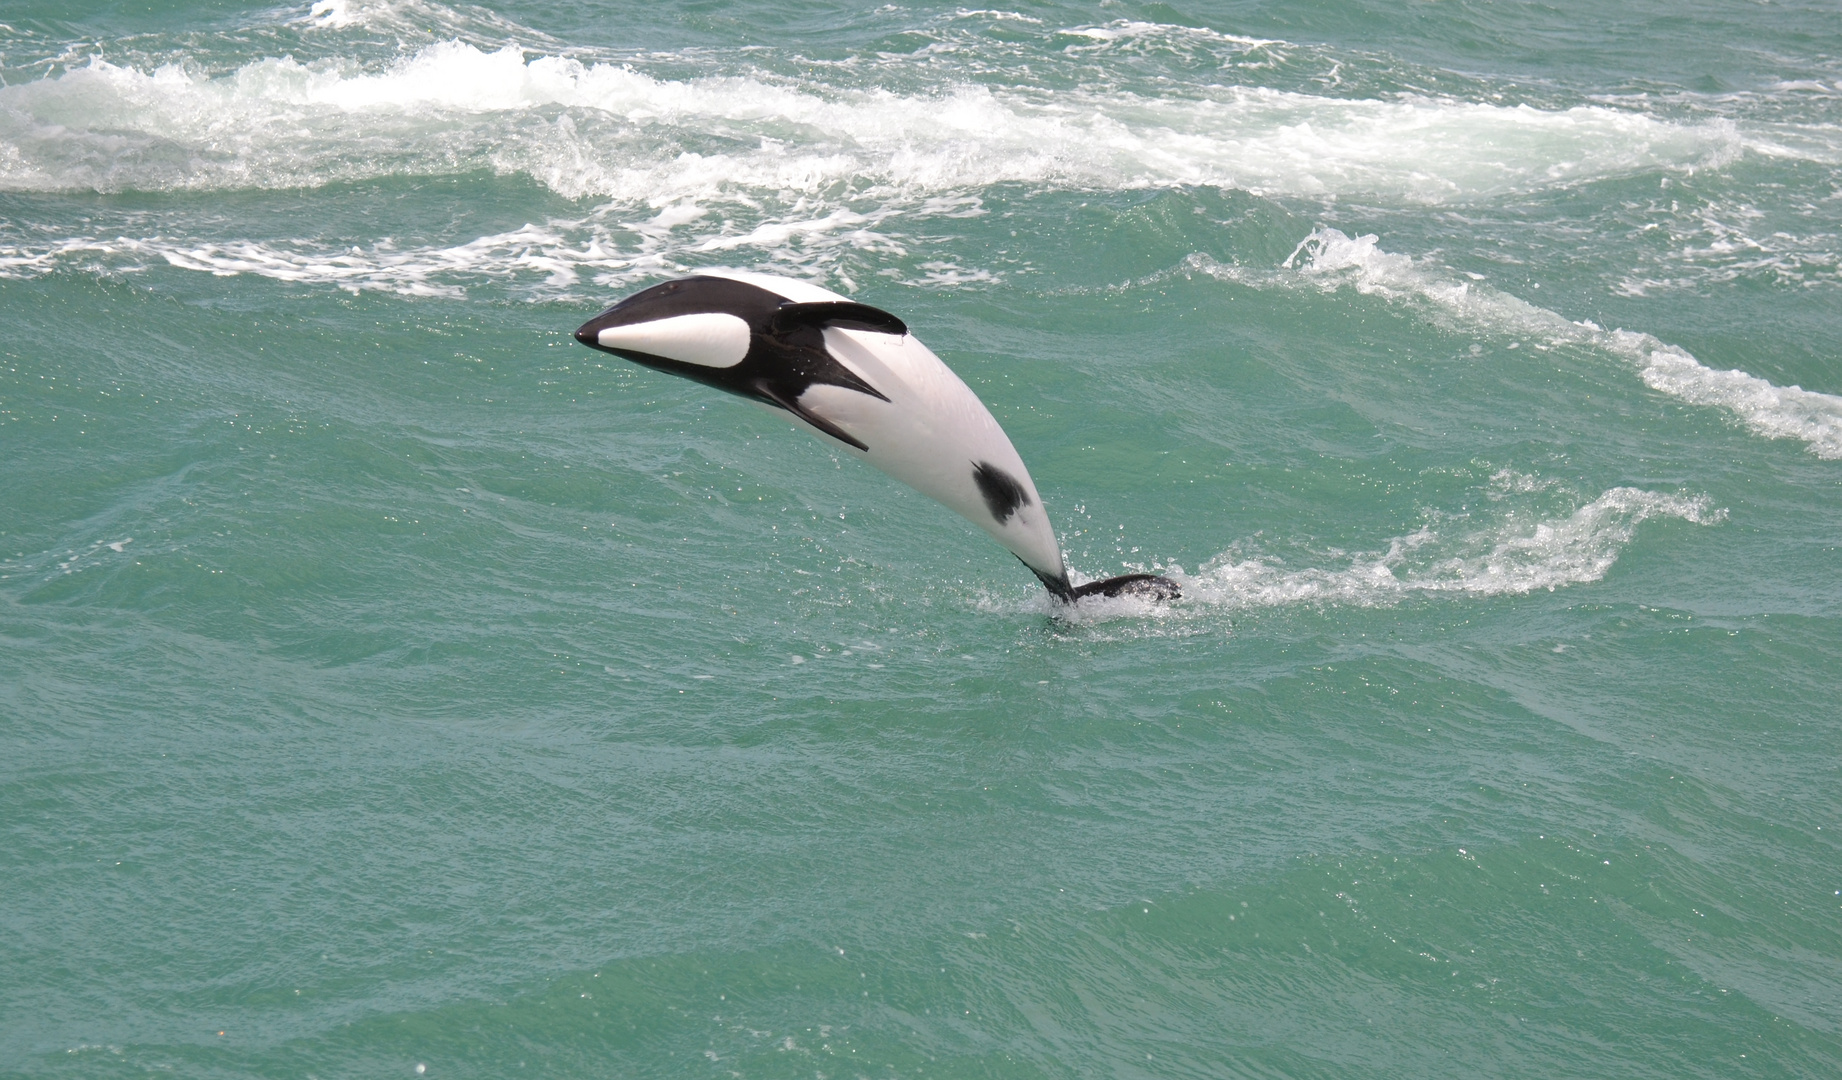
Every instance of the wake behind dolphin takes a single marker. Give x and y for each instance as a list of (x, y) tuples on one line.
[(855, 376)]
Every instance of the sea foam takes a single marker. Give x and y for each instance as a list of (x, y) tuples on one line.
[(610, 129), (546, 261)]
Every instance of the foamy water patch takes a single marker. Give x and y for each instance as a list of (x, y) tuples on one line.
[(613, 130), (1139, 35), (1116, 616), (1328, 259), (1517, 552), (551, 260), (419, 20), (1715, 241), (337, 14), (1512, 557)]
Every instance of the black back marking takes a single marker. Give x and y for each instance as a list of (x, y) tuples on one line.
[(691, 296), (1003, 494)]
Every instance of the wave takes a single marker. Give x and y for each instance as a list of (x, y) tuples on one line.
[(610, 253), (1508, 559), (1511, 556), (1328, 259), (610, 130)]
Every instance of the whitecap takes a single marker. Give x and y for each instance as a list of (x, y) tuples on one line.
[(613, 130), (1328, 259), (419, 20)]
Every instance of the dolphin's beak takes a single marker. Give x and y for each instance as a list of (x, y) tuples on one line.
[(589, 333)]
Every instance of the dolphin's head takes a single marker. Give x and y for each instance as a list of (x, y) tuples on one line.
[(706, 322)]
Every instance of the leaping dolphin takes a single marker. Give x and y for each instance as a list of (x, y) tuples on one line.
[(853, 375)]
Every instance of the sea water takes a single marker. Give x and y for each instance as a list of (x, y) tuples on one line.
[(391, 687)]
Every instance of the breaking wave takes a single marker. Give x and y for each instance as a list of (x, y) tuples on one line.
[(608, 129), (1328, 259)]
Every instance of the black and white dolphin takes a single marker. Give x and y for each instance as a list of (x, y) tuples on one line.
[(854, 375)]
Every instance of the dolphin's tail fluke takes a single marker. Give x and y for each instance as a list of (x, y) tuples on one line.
[(1139, 586)]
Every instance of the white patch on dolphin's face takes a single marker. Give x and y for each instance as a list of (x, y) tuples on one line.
[(711, 339)]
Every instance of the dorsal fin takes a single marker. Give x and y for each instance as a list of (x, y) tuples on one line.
[(839, 313)]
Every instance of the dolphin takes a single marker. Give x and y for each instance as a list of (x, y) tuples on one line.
[(853, 375)]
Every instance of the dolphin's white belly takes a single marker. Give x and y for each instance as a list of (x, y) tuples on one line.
[(933, 433)]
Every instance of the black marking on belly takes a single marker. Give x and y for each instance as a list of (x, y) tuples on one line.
[(1003, 494)]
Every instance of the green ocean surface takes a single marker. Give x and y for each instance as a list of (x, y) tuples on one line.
[(391, 687)]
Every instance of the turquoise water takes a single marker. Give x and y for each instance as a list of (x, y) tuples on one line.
[(391, 687)]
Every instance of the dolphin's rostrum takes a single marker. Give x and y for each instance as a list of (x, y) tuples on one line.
[(853, 374)]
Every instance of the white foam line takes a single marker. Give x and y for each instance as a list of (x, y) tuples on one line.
[(612, 130), (1130, 30), (1509, 560), (1513, 557), (559, 253), (1328, 259)]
